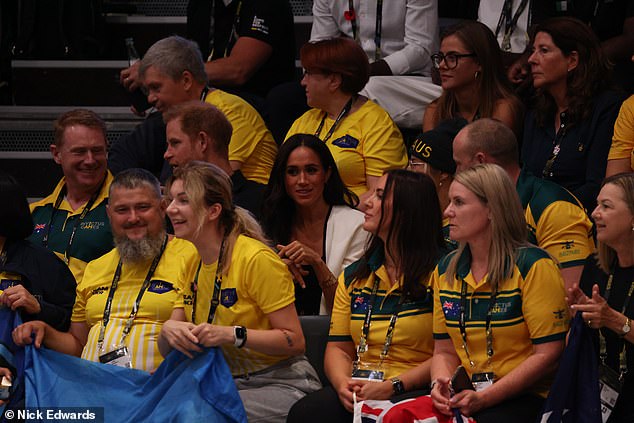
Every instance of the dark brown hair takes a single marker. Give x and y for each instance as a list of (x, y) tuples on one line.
[(583, 83)]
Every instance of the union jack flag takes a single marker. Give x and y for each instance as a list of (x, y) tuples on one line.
[(39, 227)]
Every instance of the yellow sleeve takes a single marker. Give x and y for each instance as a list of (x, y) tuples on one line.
[(268, 281), (623, 139), (305, 124), (543, 302), (81, 297), (383, 146), (439, 323), (340, 318), (564, 230)]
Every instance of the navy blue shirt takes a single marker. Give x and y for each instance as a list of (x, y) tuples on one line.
[(581, 162)]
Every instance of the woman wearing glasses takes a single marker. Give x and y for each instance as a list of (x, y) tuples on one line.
[(499, 307), (472, 78), (568, 132), (361, 136)]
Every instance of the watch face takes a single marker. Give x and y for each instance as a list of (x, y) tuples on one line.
[(240, 332)]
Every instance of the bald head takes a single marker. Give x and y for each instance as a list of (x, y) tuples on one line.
[(485, 141)]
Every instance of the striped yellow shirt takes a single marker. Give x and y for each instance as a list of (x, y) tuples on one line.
[(162, 296)]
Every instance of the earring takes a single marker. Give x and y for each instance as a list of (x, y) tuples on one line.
[(440, 184), (477, 74)]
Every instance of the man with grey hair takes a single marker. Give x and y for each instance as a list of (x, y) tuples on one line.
[(110, 323), (173, 72), (556, 220)]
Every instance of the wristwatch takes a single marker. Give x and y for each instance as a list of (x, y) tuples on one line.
[(240, 336), (397, 386), (626, 327)]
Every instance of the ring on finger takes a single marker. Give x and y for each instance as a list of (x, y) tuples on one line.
[(589, 323)]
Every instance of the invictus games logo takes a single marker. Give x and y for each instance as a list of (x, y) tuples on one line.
[(568, 245), (99, 290), (91, 226), (259, 25)]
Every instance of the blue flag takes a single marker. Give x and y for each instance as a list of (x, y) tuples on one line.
[(181, 389), (12, 357), (574, 395)]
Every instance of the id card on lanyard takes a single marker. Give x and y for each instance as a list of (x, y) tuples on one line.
[(374, 372), (119, 354), (485, 378), (610, 381)]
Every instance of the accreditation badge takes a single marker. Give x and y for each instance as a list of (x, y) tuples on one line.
[(482, 381), (610, 387), (119, 355), (368, 372)]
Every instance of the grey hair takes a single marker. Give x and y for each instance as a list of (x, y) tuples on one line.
[(173, 56), (136, 178)]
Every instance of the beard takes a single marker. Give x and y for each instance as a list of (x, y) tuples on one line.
[(139, 250)]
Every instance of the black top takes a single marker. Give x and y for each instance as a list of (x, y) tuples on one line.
[(584, 146), (45, 276), (623, 277), (247, 194), (270, 21), (143, 147)]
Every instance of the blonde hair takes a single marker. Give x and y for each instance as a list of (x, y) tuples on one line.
[(605, 254), (492, 185), (206, 184)]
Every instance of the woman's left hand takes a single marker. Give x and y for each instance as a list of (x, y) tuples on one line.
[(18, 297), (375, 390), (596, 312), (468, 402), (213, 335)]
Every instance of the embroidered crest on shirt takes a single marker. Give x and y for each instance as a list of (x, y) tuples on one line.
[(346, 141), (228, 297), (160, 287)]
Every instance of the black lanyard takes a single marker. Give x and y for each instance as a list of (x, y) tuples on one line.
[(135, 307), (58, 202), (213, 305), (510, 21), (463, 323), (602, 347), (233, 33), (559, 136), (377, 27), (367, 321), (342, 114)]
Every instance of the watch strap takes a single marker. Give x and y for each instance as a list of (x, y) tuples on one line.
[(397, 386)]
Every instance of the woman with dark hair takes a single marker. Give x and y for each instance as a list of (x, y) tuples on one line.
[(605, 290), (32, 279), (568, 131), (309, 214), (472, 78), (380, 341), (361, 136)]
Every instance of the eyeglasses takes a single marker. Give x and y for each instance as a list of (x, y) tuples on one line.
[(423, 166), (451, 59)]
